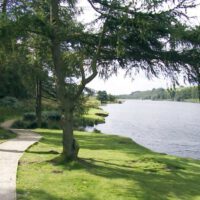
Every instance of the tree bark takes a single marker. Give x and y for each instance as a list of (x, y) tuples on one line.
[(70, 146), (38, 108)]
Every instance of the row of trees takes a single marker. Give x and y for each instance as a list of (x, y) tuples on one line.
[(44, 40), (178, 94)]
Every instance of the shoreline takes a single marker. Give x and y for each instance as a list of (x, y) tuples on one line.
[(164, 100), (162, 153)]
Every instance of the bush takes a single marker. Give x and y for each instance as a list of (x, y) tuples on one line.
[(31, 116), (83, 122), (19, 124), (2, 118), (96, 131), (47, 115), (50, 119), (10, 102), (51, 115), (28, 124)]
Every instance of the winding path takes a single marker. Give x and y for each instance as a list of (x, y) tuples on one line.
[(10, 153)]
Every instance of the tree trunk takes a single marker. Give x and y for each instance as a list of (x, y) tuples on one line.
[(70, 146), (38, 108)]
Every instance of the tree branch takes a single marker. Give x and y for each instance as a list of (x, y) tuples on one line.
[(85, 81)]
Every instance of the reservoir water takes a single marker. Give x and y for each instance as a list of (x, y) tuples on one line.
[(162, 126)]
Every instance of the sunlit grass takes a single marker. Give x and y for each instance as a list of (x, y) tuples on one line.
[(97, 115), (109, 167)]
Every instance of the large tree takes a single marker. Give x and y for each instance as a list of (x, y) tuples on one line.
[(133, 35)]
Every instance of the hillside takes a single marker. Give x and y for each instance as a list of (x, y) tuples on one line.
[(177, 94)]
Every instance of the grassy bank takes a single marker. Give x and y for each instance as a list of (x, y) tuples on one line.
[(5, 135), (95, 115), (110, 167), (7, 113)]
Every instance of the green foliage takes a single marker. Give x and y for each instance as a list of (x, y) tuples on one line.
[(11, 102), (109, 167), (29, 116), (45, 38), (22, 124), (51, 115), (92, 102), (179, 94), (103, 97), (52, 119), (7, 113), (111, 98), (5, 135), (186, 93)]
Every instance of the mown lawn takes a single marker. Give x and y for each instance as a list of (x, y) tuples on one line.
[(109, 168)]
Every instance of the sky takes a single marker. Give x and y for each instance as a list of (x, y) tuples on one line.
[(125, 85)]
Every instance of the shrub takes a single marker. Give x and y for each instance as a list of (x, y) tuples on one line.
[(52, 115), (19, 124), (96, 130), (2, 118), (10, 102), (46, 115), (28, 124), (30, 116)]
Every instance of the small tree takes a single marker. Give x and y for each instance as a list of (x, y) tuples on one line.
[(102, 96)]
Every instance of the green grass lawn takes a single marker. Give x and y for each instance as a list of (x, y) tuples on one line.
[(109, 168), (5, 135)]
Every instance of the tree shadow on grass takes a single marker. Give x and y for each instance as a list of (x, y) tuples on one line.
[(158, 177), (43, 152), (39, 194), (154, 185), (105, 142)]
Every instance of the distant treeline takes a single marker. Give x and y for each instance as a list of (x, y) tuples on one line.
[(176, 94)]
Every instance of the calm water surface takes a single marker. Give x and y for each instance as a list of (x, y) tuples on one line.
[(166, 127)]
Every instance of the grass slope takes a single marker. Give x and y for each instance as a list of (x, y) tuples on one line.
[(110, 167), (5, 135), (7, 113)]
